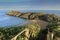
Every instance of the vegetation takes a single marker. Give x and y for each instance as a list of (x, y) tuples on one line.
[(8, 33), (54, 29), (34, 31), (53, 26)]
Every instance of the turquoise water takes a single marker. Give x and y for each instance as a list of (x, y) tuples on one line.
[(11, 21)]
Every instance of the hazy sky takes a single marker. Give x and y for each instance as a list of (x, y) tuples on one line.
[(30, 4)]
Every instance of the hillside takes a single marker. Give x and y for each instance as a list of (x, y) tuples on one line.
[(34, 15), (40, 25), (11, 32)]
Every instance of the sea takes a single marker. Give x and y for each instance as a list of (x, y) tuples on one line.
[(8, 21)]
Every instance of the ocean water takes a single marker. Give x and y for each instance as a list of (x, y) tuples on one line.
[(6, 21), (57, 12)]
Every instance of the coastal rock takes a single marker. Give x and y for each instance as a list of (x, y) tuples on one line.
[(34, 15), (14, 13)]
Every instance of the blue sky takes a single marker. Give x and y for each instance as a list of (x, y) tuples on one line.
[(30, 4)]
